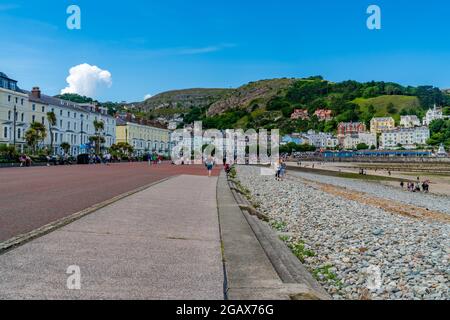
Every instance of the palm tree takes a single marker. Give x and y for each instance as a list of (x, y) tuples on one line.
[(31, 137), (51, 118), (35, 134), (99, 127)]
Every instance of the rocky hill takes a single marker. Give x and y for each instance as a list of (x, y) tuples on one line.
[(181, 99), (253, 95)]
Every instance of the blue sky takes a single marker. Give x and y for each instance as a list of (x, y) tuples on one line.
[(153, 46)]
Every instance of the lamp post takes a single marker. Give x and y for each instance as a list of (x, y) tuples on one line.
[(14, 126), (82, 128)]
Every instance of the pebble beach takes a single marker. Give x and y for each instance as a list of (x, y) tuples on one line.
[(357, 251)]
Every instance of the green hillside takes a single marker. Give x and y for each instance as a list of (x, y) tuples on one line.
[(393, 105)]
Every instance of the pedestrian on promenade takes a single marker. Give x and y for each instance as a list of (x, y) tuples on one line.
[(227, 168), (209, 163), (282, 170), (402, 185), (277, 167)]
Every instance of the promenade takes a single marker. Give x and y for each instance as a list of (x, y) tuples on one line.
[(160, 243), (33, 197)]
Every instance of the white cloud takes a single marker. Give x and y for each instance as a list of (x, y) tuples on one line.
[(85, 79), (202, 50), (147, 96)]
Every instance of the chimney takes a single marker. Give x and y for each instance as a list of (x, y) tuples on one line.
[(36, 92)]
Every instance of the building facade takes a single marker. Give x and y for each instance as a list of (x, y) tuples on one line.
[(144, 138), (378, 125), (300, 114), (74, 122), (408, 138), (324, 114), (433, 114), (352, 141), (346, 128), (410, 121), (321, 139), (13, 112)]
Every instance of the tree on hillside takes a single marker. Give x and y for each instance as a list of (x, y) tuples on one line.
[(391, 109)]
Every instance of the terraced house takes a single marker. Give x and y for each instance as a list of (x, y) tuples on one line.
[(74, 122), (13, 110), (379, 125), (142, 135)]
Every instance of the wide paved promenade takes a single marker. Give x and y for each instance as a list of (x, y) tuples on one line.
[(33, 197), (161, 243)]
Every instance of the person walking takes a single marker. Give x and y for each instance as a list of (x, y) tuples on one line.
[(209, 163), (277, 168), (283, 167)]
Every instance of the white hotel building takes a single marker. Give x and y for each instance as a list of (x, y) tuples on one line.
[(74, 122), (408, 138)]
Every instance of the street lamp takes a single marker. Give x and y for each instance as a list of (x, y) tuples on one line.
[(82, 128), (14, 126)]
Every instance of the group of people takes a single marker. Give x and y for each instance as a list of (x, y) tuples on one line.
[(58, 160), (153, 158), (25, 161), (416, 187)]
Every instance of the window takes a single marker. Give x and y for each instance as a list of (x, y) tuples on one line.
[(43, 120), (60, 123), (68, 114), (17, 100), (43, 109), (60, 113), (22, 117), (9, 98), (19, 133), (33, 118), (68, 125), (21, 102), (9, 115), (33, 107), (5, 132)]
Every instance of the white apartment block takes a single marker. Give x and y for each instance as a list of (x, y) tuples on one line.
[(351, 141), (321, 139), (13, 112), (408, 138), (74, 122), (410, 121)]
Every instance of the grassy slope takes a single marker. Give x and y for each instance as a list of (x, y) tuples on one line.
[(380, 103)]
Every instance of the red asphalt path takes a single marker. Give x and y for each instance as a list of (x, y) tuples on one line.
[(33, 197)]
